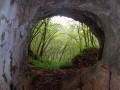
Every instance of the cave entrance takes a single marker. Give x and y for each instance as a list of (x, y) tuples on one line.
[(60, 49), (89, 19), (97, 29), (57, 42)]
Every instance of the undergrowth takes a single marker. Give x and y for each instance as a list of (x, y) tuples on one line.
[(49, 64), (55, 64)]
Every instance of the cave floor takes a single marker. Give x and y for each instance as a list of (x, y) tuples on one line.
[(64, 79)]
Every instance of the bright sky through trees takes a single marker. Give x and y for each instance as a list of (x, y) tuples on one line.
[(61, 19)]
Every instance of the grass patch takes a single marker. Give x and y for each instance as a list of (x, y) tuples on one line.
[(49, 64)]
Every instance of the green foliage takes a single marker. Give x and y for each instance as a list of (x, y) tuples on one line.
[(48, 64), (53, 45)]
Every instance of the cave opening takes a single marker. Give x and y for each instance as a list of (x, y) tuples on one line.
[(59, 41), (84, 19), (92, 21)]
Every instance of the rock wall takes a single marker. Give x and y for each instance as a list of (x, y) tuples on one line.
[(13, 45), (17, 17)]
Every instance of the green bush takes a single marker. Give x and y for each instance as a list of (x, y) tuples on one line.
[(49, 64)]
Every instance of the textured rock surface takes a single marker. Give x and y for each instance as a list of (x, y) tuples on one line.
[(17, 17)]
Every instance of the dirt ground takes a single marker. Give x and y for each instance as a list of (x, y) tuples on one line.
[(65, 79)]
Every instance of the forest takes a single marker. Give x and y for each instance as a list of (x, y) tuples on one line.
[(53, 45)]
